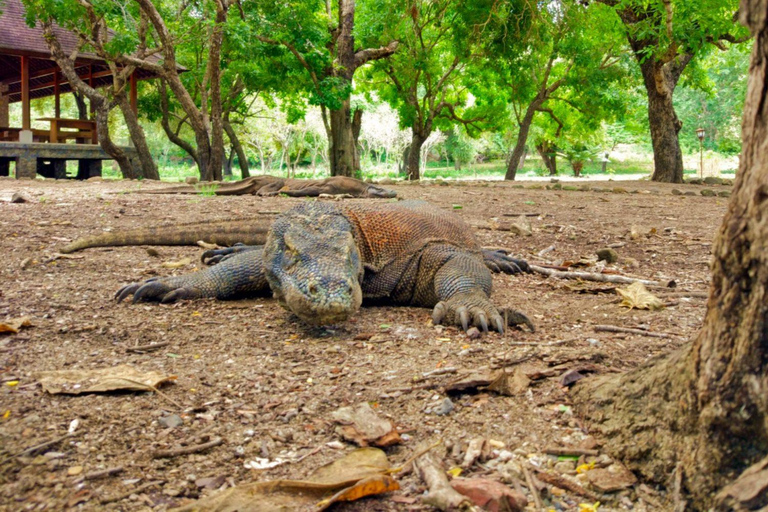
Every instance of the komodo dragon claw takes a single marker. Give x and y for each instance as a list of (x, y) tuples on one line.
[(156, 290), (499, 261), (474, 309)]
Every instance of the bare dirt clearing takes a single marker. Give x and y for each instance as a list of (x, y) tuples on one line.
[(267, 386)]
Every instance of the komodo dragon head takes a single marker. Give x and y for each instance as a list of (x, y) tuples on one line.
[(375, 191), (313, 265)]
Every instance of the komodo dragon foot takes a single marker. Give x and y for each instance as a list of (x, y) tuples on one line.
[(476, 309), (499, 260)]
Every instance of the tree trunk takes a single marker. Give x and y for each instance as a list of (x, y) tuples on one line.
[(342, 149), (522, 139), (148, 166), (706, 406), (660, 79), (548, 157), (664, 124), (82, 106), (227, 171), (414, 156), (234, 140)]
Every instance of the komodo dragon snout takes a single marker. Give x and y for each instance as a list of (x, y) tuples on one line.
[(314, 267)]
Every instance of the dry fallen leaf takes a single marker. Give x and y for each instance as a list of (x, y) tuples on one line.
[(13, 325), (636, 296), (176, 264), (360, 473), (361, 425), (123, 377)]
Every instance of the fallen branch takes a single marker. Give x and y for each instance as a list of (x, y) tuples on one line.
[(185, 450), (563, 483), (591, 276), (441, 494), (121, 497), (532, 488), (521, 214), (147, 348), (566, 452), (627, 330)]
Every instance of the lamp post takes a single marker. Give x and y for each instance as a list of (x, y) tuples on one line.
[(700, 134)]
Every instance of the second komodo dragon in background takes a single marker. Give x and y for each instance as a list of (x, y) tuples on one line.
[(265, 185), (321, 260)]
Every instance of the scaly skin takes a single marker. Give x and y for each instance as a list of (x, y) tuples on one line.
[(264, 185), (321, 260)]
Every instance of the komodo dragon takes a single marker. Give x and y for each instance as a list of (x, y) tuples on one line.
[(320, 260), (265, 185)]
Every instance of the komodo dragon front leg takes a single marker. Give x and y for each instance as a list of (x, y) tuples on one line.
[(240, 275), (462, 286)]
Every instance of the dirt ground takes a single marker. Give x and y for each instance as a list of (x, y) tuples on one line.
[(266, 385)]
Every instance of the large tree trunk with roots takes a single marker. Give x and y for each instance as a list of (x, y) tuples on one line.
[(703, 411)]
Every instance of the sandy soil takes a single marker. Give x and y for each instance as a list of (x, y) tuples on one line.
[(255, 377)]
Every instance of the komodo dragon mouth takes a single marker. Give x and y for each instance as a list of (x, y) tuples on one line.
[(314, 267)]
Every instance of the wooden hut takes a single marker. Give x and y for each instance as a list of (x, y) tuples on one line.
[(28, 72)]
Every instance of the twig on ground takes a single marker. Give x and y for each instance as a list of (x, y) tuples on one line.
[(677, 495), (95, 475), (441, 494), (542, 252), (565, 452), (411, 389), (591, 276), (697, 295), (147, 348), (627, 330), (562, 483), (185, 450), (38, 447), (532, 488), (439, 371), (121, 497), (543, 344), (521, 214), (308, 454)]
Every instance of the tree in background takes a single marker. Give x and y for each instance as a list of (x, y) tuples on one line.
[(666, 36), (329, 48), (572, 59), (430, 79)]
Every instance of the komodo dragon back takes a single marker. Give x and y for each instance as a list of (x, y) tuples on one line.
[(224, 232), (390, 230)]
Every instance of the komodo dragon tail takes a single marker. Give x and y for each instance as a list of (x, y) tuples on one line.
[(224, 232)]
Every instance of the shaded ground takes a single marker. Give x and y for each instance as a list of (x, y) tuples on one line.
[(267, 385)]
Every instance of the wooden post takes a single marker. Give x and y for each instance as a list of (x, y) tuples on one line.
[(134, 94), (57, 95), (26, 122)]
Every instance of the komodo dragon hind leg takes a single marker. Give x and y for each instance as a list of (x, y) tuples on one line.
[(500, 261), (242, 274)]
